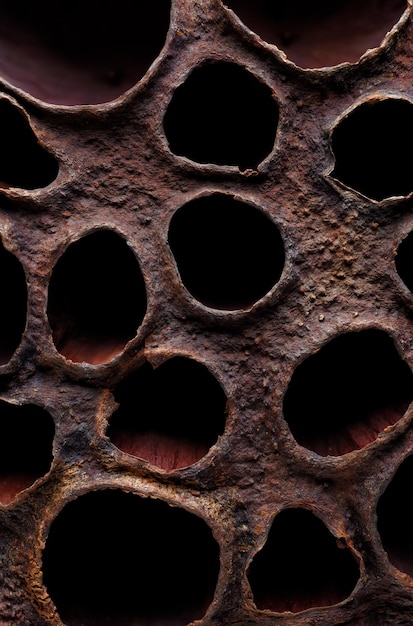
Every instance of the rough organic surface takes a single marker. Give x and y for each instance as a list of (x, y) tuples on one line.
[(206, 335)]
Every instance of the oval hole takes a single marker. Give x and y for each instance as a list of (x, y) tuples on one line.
[(97, 298), (229, 254), (14, 304), (84, 53), (26, 443), (395, 518), (223, 115), (114, 558), (170, 416), (320, 33), (301, 565), (23, 162), (340, 398), (370, 147)]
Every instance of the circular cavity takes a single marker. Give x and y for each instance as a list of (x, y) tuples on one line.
[(395, 518), (223, 115), (371, 146), (114, 558), (320, 33), (97, 298), (340, 398), (170, 416), (26, 443), (404, 261), (228, 253), (23, 162), (83, 53), (14, 304), (301, 565)]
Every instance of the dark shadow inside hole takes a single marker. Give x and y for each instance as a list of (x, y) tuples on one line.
[(23, 163), (395, 518), (404, 261), (222, 114), (97, 298), (84, 53), (340, 398), (321, 33), (26, 443), (170, 416), (14, 304), (114, 558), (229, 254), (301, 565), (371, 145)]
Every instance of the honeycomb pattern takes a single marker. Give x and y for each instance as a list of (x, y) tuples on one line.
[(206, 334)]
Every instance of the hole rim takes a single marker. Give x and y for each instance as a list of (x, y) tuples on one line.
[(387, 42), (273, 296), (91, 370), (336, 183)]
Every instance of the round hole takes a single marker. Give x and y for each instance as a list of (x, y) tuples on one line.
[(170, 416), (114, 558), (26, 442), (371, 145), (340, 398), (320, 33), (395, 518), (404, 261), (301, 565), (223, 115), (97, 298), (84, 53), (229, 254), (23, 163), (14, 304)]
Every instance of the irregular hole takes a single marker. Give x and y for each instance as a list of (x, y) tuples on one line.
[(321, 33), (121, 560), (97, 298), (340, 398), (301, 565), (395, 518), (404, 261), (14, 304), (229, 254), (26, 442), (370, 146), (85, 53), (170, 416), (222, 114), (23, 163)]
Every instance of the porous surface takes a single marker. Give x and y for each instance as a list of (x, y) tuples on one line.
[(329, 325)]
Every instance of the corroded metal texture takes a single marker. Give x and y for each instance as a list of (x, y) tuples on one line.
[(206, 412)]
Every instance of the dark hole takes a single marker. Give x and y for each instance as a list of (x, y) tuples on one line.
[(222, 114), (320, 33), (301, 565), (114, 558), (26, 442), (83, 53), (340, 398), (23, 163), (371, 146), (229, 254), (170, 416), (97, 298), (14, 304), (404, 261), (395, 518)]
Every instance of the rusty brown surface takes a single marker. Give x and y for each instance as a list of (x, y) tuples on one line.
[(116, 173)]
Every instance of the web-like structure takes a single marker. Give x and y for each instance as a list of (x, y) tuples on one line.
[(206, 336)]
